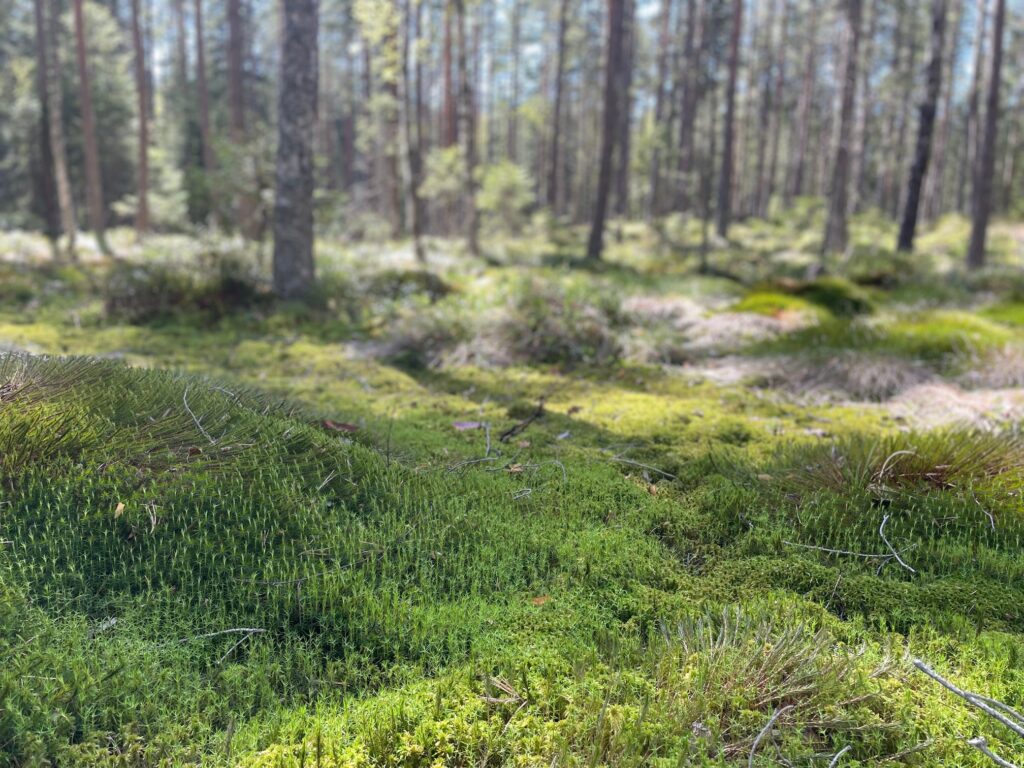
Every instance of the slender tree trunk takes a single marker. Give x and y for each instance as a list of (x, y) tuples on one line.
[(798, 168), (49, 63), (181, 43), (293, 201), (860, 132), (94, 180), (759, 205), (411, 135), (660, 98), (142, 169), (725, 182), (467, 128), (245, 204), (778, 118), (836, 234), (983, 180), (624, 101), (513, 113), (925, 129), (204, 95), (613, 63), (968, 159), (693, 49), (935, 180), (450, 132), (554, 163)]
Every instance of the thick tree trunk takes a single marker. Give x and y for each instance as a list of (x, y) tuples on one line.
[(93, 179), (925, 129), (181, 43), (204, 94), (293, 201), (467, 128), (860, 133), (142, 164), (610, 121), (798, 167), (554, 161), (836, 233), (725, 182), (986, 167), (759, 205)]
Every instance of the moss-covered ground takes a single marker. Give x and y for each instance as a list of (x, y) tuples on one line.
[(516, 512)]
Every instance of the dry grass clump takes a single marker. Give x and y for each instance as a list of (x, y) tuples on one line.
[(850, 375), (998, 368)]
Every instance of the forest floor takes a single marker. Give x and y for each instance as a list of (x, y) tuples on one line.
[(517, 512)]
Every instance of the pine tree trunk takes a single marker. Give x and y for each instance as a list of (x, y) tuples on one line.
[(836, 233), (93, 178), (935, 181), (467, 128), (660, 98), (624, 102), (293, 200), (450, 131), (411, 136), (610, 122), (44, 189), (142, 164), (693, 48), (513, 113), (925, 129), (245, 204), (860, 134), (983, 180), (968, 161), (778, 117), (798, 168), (181, 43), (759, 205), (725, 182), (554, 161), (204, 94)]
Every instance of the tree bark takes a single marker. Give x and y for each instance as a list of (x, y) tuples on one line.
[(693, 48), (53, 134), (983, 180), (724, 210), (554, 162), (798, 168), (181, 43), (836, 232), (245, 205), (613, 61), (778, 117), (450, 123), (624, 102), (411, 129), (467, 128), (935, 181), (968, 161), (94, 181), (513, 107), (925, 129), (204, 95), (293, 201), (142, 164), (661, 96)]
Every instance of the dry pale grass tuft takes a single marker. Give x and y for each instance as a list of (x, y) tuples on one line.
[(850, 375)]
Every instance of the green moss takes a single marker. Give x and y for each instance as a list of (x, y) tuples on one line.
[(774, 304)]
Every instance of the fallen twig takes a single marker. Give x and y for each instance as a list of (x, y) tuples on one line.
[(632, 463), (981, 745), (764, 732), (184, 399), (994, 709), (839, 756), (520, 427), (895, 554)]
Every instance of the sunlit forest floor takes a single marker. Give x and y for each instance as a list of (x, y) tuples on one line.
[(514, 512)]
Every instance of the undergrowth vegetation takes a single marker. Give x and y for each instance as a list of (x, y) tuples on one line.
[(524, 514)]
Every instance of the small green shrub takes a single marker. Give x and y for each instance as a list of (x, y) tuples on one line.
[(840, 297)]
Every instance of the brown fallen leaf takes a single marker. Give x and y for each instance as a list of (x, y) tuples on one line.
[(652, 489), (523, 444), (540, 600), (119, 509), (515, 469), (339, 426)]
